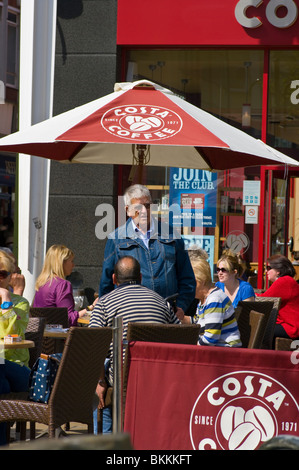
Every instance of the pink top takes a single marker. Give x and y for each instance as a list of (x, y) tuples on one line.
[(58, 293), (287, 289)]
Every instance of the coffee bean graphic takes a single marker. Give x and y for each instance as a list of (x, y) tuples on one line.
[(245, 437), (262, 420), (231, 417)]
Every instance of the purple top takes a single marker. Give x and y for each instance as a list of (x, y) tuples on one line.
[(58, 293)]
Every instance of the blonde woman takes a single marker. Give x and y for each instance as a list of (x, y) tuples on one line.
[(229, 272), (215, 312), (14, 317), (52, 288)]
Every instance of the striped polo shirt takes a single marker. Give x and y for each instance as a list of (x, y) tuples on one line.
[(134, 303), (217, 320)]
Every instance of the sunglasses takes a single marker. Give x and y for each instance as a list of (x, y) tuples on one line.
[(4, 274), (222, 270), (268, 268)]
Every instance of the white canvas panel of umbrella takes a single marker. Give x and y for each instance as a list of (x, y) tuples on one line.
[(143, 123)]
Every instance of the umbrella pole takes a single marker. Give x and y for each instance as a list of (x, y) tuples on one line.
[(117, 415), (140, 172), (139, 161)]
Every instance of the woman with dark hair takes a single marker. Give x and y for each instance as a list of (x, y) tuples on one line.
[(281, 272)]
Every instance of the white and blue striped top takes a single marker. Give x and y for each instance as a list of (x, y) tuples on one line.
[(217, 319)]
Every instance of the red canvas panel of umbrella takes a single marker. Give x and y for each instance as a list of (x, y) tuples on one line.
[(143, 123)]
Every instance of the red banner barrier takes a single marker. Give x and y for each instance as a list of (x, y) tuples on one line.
[(192, 398)]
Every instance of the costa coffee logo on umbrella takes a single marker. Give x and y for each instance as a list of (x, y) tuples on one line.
[(143, 123), (240, 411)]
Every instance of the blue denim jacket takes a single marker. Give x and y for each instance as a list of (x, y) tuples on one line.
[(165, 264)]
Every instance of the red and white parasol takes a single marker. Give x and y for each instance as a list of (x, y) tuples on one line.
[(143, 123)]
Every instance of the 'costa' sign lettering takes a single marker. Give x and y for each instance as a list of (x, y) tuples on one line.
[(271, 13)]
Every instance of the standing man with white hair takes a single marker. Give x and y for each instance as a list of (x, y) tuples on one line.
[(165, 265)]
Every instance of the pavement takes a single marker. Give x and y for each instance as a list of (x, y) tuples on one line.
[(75, 437)]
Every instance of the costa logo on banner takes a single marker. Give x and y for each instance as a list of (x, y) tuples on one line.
[(142, 122), (240, 411)]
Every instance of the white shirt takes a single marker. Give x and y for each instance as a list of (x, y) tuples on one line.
[(144, 236)]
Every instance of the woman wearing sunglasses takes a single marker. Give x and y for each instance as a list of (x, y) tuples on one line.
[(229, 272), (14, 317), (214, 313), (280, 273)]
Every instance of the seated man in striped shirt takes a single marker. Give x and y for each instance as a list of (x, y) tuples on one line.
[(133, 302), (215, 312)]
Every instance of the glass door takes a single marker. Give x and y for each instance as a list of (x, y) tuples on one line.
[(281, 217)]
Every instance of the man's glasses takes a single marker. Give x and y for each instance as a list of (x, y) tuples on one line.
[(139, 207), (222, 270), (268, 268), (4, 274)]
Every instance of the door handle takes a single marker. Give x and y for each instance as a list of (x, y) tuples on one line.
[(290, 243)]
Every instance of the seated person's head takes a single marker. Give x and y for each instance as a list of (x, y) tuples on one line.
[(127, 270)]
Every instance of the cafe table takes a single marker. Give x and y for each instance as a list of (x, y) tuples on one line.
[(56, 333), (17, 344), (84, 321), (59, 336), (205, 397)]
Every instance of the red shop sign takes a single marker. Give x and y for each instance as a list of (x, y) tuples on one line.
[(208, 23)]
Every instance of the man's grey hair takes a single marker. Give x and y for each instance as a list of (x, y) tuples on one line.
[(136, 191)]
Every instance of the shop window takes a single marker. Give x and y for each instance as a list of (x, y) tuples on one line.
[(226, 83), (12, 49), (283, 102)]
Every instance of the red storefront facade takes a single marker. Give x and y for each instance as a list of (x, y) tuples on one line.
[(237, 60)]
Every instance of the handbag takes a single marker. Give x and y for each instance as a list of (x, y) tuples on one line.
[(42, 377)]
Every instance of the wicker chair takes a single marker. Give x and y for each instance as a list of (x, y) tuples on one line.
[(53, 315), (35, 332), (269, 331), (284, 344), (251, 326), (75, 384), (152, 332), (265, 306), (158, 333)]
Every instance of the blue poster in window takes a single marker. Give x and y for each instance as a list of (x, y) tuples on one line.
[(205, 242), (195, 193)]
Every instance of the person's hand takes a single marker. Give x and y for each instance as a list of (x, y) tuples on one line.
[(17, 283), (101, 392), (180, 313), (185, 320), (5, 295)]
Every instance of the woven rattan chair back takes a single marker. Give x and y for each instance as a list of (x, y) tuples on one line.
[(270, 327), (257, 323), (265, 307), (53, 316), (74, 388), (284, 344), (35, 332), (78, 374), (158, 333), (252, 326)]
